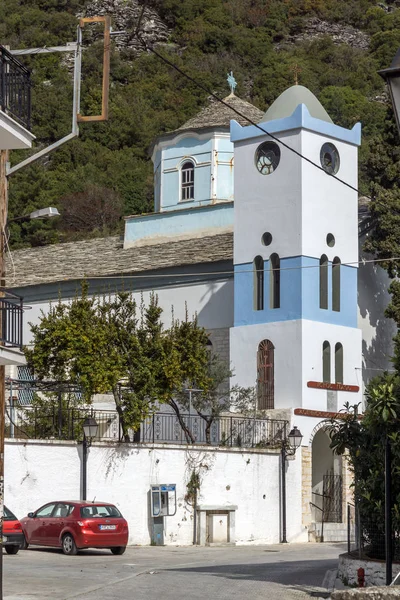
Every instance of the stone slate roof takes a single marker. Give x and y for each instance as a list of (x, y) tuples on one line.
[(106, 256), (219, 115)]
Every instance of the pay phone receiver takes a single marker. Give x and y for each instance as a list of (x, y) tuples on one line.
[(163, 500)]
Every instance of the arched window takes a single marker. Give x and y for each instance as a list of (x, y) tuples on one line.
[(336, 284), (326, 362), (187, 181), (274, 281), (323, 281), (258, 275), (265, 375), (338, 363)]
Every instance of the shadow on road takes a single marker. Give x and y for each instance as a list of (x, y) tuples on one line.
[(303, 573)]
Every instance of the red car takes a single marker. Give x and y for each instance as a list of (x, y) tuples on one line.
[(75, 525), (13, 538)]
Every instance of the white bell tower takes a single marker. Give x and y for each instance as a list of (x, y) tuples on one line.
[(295, 331)]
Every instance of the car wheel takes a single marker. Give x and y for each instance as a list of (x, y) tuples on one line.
[(24, 544), (118, 550), (11, 549), (68, 545)]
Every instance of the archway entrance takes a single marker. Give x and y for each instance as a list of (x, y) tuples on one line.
[(327, 485)]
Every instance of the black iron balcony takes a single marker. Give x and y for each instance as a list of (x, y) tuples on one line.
[(15, 88), (11, 315)]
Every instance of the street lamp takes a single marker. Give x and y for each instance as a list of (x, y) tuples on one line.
[(290, 444), (40, 214), (90, 428)]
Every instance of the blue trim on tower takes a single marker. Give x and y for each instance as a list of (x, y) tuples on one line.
[(300, 118), (299, 297)]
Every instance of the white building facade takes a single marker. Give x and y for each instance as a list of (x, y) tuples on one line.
[(258, 235)]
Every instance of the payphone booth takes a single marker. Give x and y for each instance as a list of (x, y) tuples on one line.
[(163, 504)]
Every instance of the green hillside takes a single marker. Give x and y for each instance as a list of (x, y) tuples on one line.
[(336, 45)]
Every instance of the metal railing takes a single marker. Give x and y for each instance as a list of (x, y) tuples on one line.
[(15, 88), (231, 431), (11, 320), (55, 423), (60, 423)]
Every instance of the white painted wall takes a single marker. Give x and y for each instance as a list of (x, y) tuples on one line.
[(286, 337), (267, 202), (38, 472), (213, 303), (298, 359), (327, 205), (313, 336)]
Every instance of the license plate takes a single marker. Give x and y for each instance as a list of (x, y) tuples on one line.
[(103, 527)]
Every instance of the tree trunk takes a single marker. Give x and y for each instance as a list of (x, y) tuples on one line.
[(188, 434), (122, 423), (208, 429)]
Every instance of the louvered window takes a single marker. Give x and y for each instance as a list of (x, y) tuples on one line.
[(187, 181)]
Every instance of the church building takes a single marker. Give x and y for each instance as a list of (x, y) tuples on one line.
[(257, 228)]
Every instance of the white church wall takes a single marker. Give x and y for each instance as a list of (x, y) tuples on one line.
[(314, 334), (286, 338), (267, 202), (327, 205), (211, 301), (292, 341), (39, 472)]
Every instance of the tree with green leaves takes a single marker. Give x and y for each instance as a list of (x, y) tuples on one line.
[(364, 441), (112, 345)]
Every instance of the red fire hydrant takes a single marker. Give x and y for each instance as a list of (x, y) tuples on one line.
[(361, 577)]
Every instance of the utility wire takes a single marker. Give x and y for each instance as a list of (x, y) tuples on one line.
[(237, 271), (258, 126)]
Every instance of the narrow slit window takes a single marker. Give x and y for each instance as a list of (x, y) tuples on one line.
[(187, 181), (338, 363), (258, 270), (326, 362), (265, 375), (336, 284), (323, 282), (275, 281)]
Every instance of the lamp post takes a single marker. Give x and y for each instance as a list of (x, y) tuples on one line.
[(191, 390), (289, 447), (392, 78), (90, 428)]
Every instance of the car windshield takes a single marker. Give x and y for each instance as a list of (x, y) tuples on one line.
[(99, 510), (8, 515)]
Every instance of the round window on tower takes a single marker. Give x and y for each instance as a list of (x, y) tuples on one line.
[(330, 160), (267, 157)]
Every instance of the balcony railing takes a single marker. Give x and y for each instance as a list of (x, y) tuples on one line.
[(60, 423), (15, 88), (11, 320)]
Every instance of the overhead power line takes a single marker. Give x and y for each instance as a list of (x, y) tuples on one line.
[(235, 272), (240, 114)]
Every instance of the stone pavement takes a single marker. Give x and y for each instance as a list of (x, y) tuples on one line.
[(279, 572)]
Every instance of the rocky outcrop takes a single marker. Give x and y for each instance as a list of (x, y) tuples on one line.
[(340, 34), (125, 16)]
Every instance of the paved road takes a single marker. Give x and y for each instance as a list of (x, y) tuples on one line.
[(292, 572)]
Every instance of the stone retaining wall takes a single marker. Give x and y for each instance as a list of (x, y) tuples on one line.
[(375, 571), (372, 593)]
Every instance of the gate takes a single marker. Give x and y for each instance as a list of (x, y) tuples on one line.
[(332, 498)]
